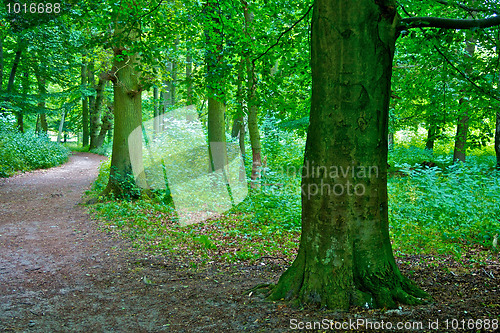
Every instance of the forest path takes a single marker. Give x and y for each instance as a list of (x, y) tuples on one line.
[(59, 273)]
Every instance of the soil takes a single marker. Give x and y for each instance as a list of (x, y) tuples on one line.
[(59, 272)]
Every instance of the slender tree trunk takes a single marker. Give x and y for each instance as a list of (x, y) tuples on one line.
[(497, 139), (156, 110), (26, 90), (238, 129), (85, 105), (15, 65), (216, 93), (253, 122), (345, 254), (61, 127), (128, 117), (107, 121), (432, 132), (42, 90), (95, 112), (390, 141), (460, 149), (1, 62), (173, 82), (189, 79), (43, 122)]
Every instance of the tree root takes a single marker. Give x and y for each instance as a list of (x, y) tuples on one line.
[(263, 288)]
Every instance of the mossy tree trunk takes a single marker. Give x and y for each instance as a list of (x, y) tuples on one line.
[(128, 116), (215, 88), (345, 256), (95, 112), (238, 128), (253, 121), (106, 125), (460, 149)]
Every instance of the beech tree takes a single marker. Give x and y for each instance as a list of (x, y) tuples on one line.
[(345, 256)]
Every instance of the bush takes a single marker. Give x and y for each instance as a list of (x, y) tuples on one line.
[(24, 152)]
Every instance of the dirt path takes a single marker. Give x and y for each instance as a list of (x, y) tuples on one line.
[(59, 273)]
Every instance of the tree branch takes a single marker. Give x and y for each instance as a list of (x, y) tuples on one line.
[(438, 22), (283, 33)]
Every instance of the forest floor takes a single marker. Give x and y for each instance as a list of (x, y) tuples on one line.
[(59, 272)]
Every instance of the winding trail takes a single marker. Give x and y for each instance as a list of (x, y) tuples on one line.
[(60, 273)]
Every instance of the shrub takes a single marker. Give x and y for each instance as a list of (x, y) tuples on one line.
[(26, 151)]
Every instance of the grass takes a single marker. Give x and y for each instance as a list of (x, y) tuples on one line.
[(20, 152), (445, 210)]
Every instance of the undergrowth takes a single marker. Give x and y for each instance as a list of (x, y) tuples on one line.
[(447, 209), (27, 151)]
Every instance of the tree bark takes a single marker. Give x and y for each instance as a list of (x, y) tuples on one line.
[(253, 122), (85, 105), (95, 112), (15, 65), (26, 90), (128, 117), (390, 141), (107, 121), (189, 79), (238, 129), (345, 254), (460, 149), (432, 132), (444, 23), (156, 110), (61, 127), (215, 91), (42, 90)]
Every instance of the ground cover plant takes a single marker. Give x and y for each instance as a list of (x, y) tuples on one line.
[(447, 210), (27, 151)]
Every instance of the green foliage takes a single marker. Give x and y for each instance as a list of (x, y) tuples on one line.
[(444, 210), (24, 152), (440, 210)]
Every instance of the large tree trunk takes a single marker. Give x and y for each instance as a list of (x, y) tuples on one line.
[(497, 139), (345, 254), (85, 106), (253, 122), (128, 117)]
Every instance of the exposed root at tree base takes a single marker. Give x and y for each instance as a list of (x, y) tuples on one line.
[(386, 289)]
